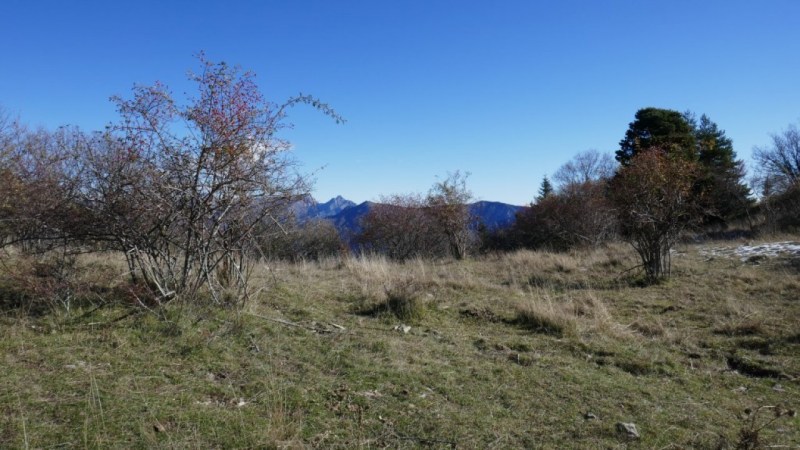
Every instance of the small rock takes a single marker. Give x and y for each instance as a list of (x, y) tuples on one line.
[(590, 416), (402, 328), (628, 430)]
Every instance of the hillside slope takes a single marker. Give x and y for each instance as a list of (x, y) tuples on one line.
[(523, 350)]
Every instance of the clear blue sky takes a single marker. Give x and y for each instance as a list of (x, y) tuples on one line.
[(506, 90)]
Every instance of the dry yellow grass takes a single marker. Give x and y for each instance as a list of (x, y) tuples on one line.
[(509, 351)]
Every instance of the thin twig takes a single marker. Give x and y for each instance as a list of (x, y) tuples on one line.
[(297, 325)]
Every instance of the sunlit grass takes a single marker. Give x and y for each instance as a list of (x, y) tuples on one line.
[(504, 351)]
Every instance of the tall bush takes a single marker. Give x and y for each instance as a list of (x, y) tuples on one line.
[(655, 203)]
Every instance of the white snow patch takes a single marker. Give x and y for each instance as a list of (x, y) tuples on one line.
[(745, 252)]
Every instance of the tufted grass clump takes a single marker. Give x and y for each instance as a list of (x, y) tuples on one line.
[(403, 300)]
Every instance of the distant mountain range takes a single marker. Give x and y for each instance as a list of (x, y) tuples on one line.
[(309, 209), (346, 215)]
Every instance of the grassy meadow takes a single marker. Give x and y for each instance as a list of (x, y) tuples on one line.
[(519, 350)]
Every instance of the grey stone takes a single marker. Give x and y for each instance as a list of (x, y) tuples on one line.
[(402, 328), (628, 430)]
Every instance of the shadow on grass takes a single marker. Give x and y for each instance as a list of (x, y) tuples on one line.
[(14, 300), (792, 264), (371, 310), (540, 323), (753, 368), (564, 285), (608, 284)]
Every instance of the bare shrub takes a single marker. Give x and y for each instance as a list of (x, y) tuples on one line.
[(401, 227), (41, 184), (762, 419), (779, 163), (56, 280), (447, 203), (654, 204), (179, 188), (412, 226), (585, 167), (782, 210), (778, 179), (312, 240), (578, 215)]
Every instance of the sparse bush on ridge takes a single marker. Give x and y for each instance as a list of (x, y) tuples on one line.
[(411, 226), (401, 228), (578, 215), (312, 240)]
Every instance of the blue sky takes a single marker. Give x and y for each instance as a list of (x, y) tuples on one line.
[(506, 90)]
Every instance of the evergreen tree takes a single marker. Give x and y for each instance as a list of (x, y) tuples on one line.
[(665, 129), (545, 189), (719, 189), (725, 196)]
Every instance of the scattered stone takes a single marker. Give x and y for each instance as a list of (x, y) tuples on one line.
[(590, 416), (402, 328), (628, 430)]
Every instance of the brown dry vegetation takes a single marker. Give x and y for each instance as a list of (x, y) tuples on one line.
[(504, 351)]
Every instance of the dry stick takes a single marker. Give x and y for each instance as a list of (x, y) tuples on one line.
[(283, 322), (639, 266), (286, 322), (90, 312), (293, 324), (118, 319)]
